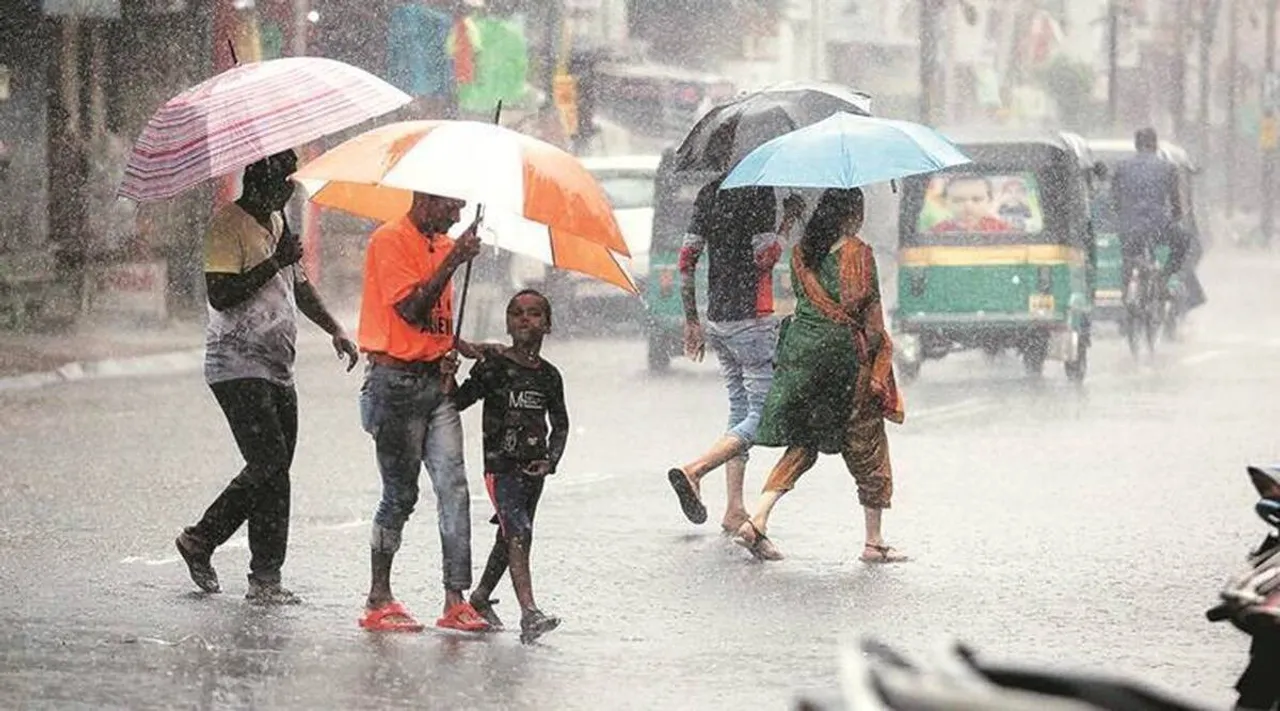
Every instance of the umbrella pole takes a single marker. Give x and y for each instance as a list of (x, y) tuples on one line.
[(466, 286), (466, 274), (451, 383)]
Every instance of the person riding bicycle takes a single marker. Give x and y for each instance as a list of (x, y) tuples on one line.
[(1148, 207)]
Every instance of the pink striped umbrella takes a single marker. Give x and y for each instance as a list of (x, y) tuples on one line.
[(248, 113)]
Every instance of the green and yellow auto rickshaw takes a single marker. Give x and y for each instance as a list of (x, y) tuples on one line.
[(1108, 292), (998, 254)]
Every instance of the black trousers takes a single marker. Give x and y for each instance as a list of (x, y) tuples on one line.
[(264, 421), (1259, 686)]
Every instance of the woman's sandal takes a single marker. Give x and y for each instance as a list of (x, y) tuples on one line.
[(882, 555), (759, 545)]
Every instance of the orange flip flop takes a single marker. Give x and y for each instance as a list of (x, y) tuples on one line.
[(375, 620), (464, 618)]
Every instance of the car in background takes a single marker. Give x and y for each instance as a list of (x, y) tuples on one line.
[(585, 304), (657, 99)]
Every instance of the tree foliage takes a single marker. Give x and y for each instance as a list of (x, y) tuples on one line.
[(1070, 84)]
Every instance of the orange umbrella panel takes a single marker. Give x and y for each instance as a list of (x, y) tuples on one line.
[(539, 200)]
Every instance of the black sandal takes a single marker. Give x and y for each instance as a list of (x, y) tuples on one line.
[(484, 608), (689, 501), (760, 548)]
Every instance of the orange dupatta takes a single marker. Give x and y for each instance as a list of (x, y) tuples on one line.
[(859, 309)]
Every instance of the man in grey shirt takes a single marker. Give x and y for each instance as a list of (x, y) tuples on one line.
[(256, 287), (1148, 206)]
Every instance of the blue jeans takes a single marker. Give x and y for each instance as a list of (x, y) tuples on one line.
[(746, 351), (413, 422)]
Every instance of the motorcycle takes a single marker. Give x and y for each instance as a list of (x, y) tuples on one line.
[(875, 677), (878, 678), (1251, 602)]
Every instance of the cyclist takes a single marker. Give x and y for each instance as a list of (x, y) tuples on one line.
[(1148, 207)]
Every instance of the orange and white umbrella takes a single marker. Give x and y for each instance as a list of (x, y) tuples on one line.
[(539, 201)]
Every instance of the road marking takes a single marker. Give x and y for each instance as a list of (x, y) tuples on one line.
[(139, 560), (241, 542), (974, 409), (954, 411), (341, 526), (964, 406), (1202, 357)]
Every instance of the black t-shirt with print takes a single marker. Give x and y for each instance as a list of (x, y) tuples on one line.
[(519, 404)]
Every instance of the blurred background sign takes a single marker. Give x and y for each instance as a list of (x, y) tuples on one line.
[(109, 9)]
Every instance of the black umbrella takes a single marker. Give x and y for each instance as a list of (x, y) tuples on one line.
[(732, 130)]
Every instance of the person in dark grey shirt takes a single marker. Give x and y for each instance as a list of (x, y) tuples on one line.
[(738, 231)]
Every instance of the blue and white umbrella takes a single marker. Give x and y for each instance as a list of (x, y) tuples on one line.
[(846, 151)]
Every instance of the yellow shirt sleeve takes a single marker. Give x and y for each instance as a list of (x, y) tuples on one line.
[(223, 250)]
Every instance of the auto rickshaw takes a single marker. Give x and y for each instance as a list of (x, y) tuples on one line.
[(998, 254), (1108, 292)]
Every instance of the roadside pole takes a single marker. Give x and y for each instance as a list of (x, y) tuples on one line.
[(1233, 37), (1267, 136)]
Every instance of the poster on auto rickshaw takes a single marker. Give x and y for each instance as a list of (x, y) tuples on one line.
[(972, 203)]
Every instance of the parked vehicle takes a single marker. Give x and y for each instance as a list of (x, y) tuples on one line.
[(582, 303), (656, 99)]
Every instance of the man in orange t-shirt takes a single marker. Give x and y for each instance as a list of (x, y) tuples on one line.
[(406, 330)]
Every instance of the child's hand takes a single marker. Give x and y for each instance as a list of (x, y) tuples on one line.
[(539, 468), (449, 365), (479, 351)]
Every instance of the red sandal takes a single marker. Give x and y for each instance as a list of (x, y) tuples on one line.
[(376, 619), (464, 618)]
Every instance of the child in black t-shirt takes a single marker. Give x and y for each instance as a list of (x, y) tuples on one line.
[(522, 393)]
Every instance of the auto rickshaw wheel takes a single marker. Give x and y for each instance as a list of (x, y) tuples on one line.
[(1172, 315), (658, 354), (1080, 367), (908, 370), (1034, 352)]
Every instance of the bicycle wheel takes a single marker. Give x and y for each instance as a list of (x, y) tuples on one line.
[(1151, 315), (1133, 314)]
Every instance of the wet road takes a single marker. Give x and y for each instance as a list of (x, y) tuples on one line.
[(1082, 526)]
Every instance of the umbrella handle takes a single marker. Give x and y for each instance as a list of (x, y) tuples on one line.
[(462, 304), (450, 382)]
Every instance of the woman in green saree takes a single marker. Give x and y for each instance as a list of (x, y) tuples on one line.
[(833, 386)]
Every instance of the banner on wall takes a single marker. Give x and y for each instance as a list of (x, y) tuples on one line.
[(102, 9)]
